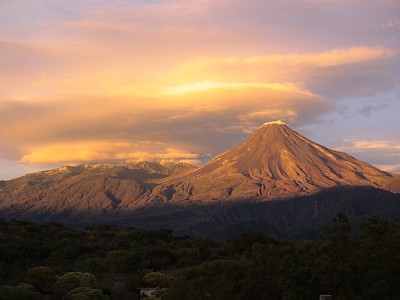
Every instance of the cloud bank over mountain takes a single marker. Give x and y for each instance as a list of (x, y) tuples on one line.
[(185, 80)]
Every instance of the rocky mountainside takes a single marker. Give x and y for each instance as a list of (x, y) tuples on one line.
[(92, 187), (294, 218), (274, 162)]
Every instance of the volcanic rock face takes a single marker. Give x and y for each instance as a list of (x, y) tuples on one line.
[(86, 188), (274, 162)]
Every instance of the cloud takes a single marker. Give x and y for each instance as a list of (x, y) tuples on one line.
[(391, 24), (336, 74), (120, 47), (366, 145), (81, 79), (329, 58), (170, 155), (368, 109), (390, 168), (100, 151), (272, 113), (199, 118), (384, 154)]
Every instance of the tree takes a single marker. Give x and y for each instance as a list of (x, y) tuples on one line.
[(156, 279), (42, 278), (336, 258), (159, 258), (72, 280), (86, 293), (219, 279), (122, 260), (23, 291)]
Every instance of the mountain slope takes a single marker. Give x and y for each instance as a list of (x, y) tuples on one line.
[(293, 218), (79, 189), (274, 162)]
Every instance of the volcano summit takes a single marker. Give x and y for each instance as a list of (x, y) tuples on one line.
[(274, 162)]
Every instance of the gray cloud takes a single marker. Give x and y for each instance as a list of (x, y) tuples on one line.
[(356, 80)]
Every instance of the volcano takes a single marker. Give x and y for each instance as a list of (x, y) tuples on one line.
[(274, 162)]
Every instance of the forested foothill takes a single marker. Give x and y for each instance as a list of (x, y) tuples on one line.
[(52, 261)]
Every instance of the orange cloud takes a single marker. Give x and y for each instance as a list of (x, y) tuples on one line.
[(272, 113), (194, 75), (169, 155), (395, 168), (79, 152), (370, 145), (71, 152), (111, 128), (276, 67)]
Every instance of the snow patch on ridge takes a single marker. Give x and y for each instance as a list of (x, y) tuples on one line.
[(278, 122)]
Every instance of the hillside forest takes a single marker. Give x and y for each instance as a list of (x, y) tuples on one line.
[(52, 261)]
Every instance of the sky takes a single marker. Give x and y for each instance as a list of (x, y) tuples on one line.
[(120, 81)]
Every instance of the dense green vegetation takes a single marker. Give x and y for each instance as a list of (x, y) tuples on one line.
[(56, 262)]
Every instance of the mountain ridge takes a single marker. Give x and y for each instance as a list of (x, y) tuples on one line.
[(273, 163), (293, 218)]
